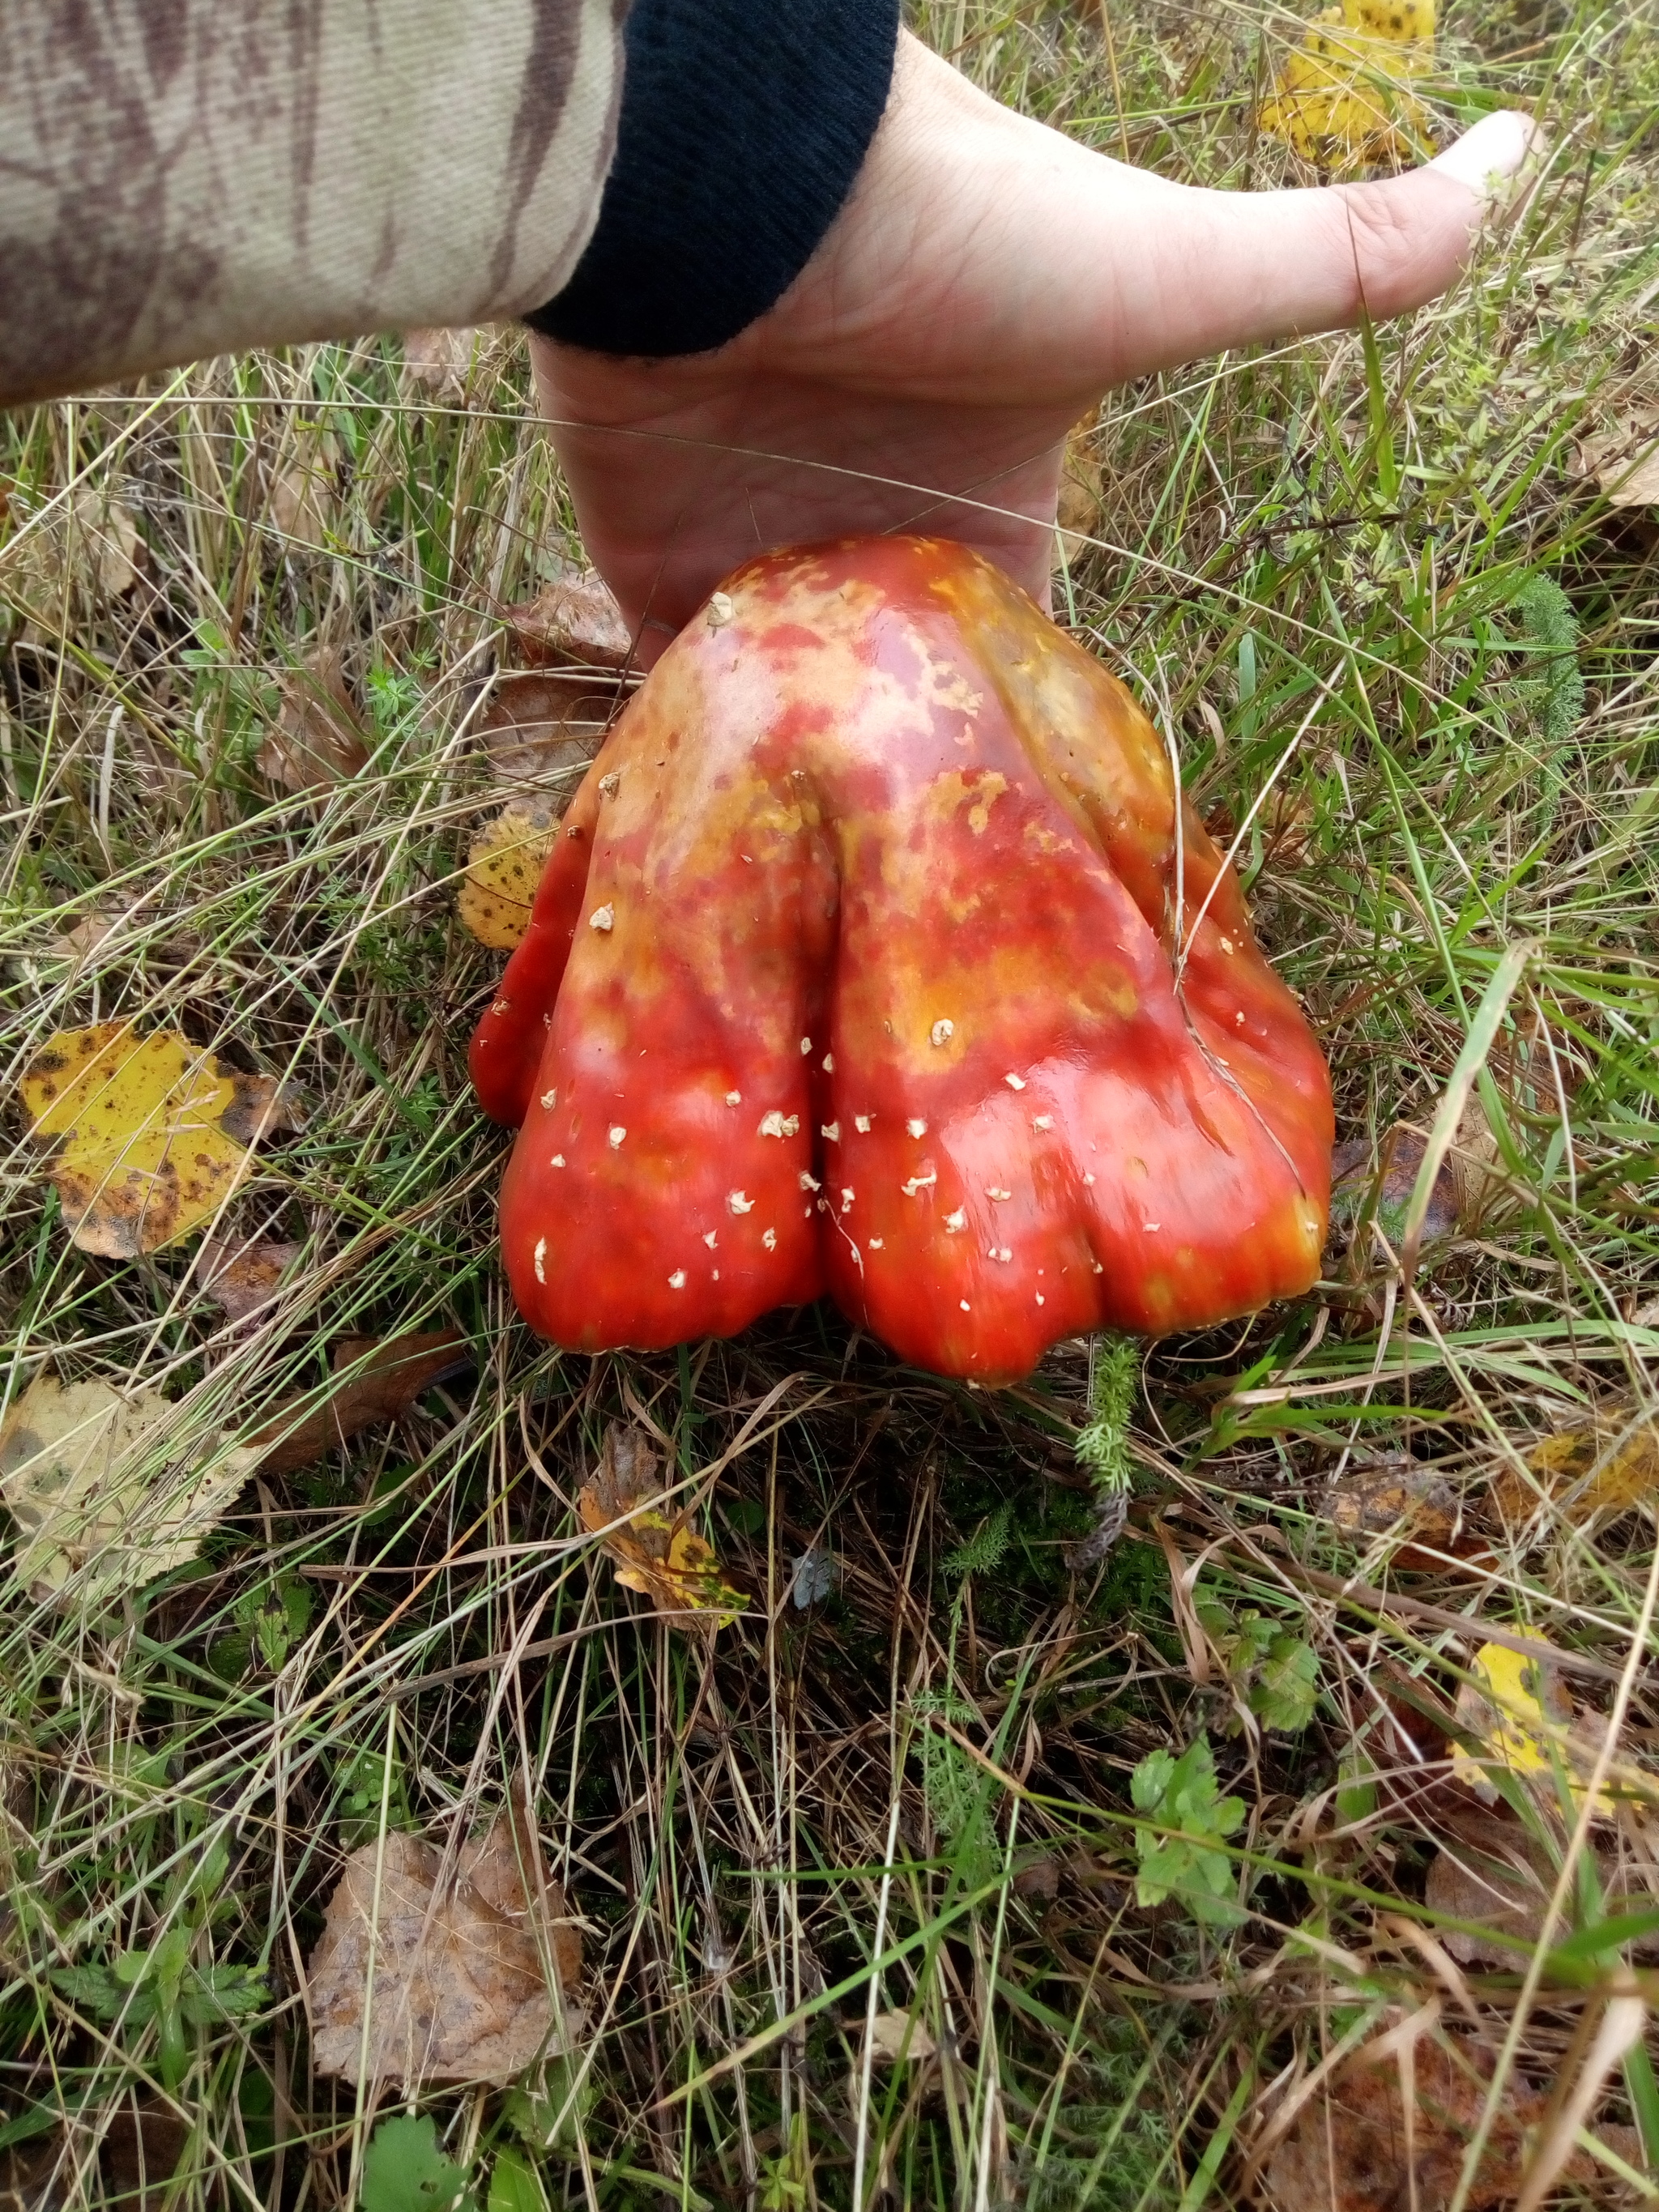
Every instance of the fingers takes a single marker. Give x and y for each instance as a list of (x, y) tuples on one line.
[(988, 259), (1497, 149), (1253, 267)]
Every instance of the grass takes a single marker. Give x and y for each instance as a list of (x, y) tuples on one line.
[(1407, 657)]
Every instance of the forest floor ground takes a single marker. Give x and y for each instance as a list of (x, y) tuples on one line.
[(1382, 593)]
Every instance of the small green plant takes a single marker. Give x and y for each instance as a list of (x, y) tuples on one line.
[(784, 2180), (1275, 1672), (163, 1986), (545, 2111), (1109, 2149), (1553, 627), (160, 1983), (270, 1622), (371, 1780), (954, 1785), (1103, 1444), (986, 1549), (514, 2184), (1181, 1794), (404, 2171)]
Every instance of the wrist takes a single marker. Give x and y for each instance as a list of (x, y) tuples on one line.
[(744, 124)]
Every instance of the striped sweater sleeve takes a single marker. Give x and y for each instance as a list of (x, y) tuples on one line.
[(188, 177)]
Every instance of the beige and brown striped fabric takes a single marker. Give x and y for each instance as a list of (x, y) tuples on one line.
[(180, 178)]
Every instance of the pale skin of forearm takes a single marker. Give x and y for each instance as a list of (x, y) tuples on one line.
[(987, 281)]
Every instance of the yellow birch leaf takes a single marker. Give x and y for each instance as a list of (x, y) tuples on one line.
[(1343, 101), (113, 1489), (1522, 1719), (1608, 1464), (663, 1558), (503, 867), (149, 1134)]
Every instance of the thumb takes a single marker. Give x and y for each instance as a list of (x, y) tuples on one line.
[(1263, 265)]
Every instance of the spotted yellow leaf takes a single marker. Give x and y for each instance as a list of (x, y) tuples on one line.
[(149, 1134), (1343, 100), (661, 1556), (1514, 1707), (109, 1490), (1606, 1464), (503, 867)]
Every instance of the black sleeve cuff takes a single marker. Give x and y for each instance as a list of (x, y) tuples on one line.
[(743, 125)]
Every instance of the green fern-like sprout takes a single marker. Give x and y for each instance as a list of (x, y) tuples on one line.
[(986, 1548), (1103, 1444), (1552, 625)]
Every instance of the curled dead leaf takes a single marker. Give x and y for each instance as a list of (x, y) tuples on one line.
[(441, 361), (149, 1135), (84, 936), (1624, 460), (504, 864), (379, 1378), (539, 725), (319, 737), (897, 2037), (574, 618), (107, 1490), (1082, 493), (418, 1978), (1395, 1496), (1382, 1180), (659, 1555), (242, 1275), (1343, 101)]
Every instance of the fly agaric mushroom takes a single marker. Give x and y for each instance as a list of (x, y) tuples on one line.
[(874, 957)]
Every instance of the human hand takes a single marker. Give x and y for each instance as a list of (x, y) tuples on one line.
[(986, 281)]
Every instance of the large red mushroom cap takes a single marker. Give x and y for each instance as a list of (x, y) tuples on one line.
[(874, 957)]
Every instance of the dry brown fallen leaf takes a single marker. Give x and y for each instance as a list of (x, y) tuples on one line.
[(659, 1555), (1606, 1464), (504, 864), (1509, 1895), (540, 723), (241, 1275), (1624, 459), (302, 487), (1390, 1171), (84, 553), (574, 618), (149, 1135), (380, 1378), (1395, 1496), (84, 936), (318, 736), (1082, 493), (1346, 2149), (109, 1488), (142, 2150), (462, 1989), (441, 361), (896, 2037)]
